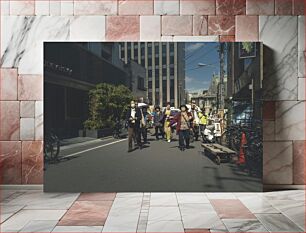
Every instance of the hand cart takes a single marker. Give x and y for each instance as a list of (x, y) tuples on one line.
[(220, 153)]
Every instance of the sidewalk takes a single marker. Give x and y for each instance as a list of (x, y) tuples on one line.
[(35, 211)]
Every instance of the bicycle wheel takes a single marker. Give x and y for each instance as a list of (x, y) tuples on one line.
[(224, 139), (51, 148), (48, 150), (218, 160), (47, 155), (56, 149), (115, 135)]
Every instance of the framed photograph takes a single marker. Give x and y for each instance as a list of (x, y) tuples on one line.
[(151, 117)]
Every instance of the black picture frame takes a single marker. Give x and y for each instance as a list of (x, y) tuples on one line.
[(243, 53)]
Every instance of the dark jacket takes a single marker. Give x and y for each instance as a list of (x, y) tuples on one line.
[(137, 118), (177, 119), (158, 118)]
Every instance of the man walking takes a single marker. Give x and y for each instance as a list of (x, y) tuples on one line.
[(158, 122), (195, 123), (133, 119), (143, 125)]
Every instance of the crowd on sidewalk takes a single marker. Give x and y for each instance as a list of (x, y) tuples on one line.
[(189, 122)]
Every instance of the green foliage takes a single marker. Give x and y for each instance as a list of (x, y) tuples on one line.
[(247, 46), (106, 103)]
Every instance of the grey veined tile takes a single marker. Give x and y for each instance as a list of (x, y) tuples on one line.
[(163, 199), (279, 35), (165, 226), (243, 225), (40, 200), (278, 223), (290, 119), (122, 218), (207, 220), (9, 210), (35, 28), (258, 205), (294, 210), (295, 195), (301, 46), (6, 193), (199, 198), (39, 226), (164, 213), (23, 217), (9, 196)]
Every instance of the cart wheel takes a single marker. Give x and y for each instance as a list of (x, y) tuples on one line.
[(218, 160)]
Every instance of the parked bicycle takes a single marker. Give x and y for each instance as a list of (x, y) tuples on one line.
[(119, 130), (51, 146), (231, 137), (254, 152)]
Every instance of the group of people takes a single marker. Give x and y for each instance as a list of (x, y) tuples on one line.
[(164, 122)]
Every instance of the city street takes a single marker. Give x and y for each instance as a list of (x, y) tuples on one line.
[(105, 166)]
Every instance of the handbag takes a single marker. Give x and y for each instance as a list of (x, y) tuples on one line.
[(187, 121), (143, 123)]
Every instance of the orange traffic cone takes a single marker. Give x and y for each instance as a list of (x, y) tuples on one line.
[(241, 160)]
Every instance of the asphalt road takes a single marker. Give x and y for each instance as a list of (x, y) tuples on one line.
[(105, 166)]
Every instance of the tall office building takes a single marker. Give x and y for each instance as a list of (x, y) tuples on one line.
[(165, 69)]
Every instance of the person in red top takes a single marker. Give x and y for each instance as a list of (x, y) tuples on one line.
[(183, 120)]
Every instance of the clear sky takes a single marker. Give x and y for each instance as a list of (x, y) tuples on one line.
[(198, 79)]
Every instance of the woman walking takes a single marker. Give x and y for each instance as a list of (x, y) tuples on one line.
[(183, 120), (167, 115)]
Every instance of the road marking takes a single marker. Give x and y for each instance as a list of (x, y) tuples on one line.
[(97, 147), (68, 147)]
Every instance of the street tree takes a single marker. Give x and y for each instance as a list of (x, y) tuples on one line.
[(107, 104)]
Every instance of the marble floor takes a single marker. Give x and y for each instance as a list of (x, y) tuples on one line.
[(35, 211)]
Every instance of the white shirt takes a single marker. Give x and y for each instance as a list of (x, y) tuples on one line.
[(133, 112), (196, 117)]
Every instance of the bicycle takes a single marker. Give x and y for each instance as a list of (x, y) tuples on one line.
[(253, 153), (51, 146), (231, 137), (118, 130)]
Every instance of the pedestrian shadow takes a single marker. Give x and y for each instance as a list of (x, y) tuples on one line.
[(134, 149), (151, 139), (177, 147), (138, 149)]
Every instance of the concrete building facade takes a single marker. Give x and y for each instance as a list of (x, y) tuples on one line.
[(244, 86), (71, 70), (165, 69)]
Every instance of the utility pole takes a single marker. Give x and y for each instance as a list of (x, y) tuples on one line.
[(221, 56)]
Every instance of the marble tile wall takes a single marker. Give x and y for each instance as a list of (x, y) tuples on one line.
[(25, 24)]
